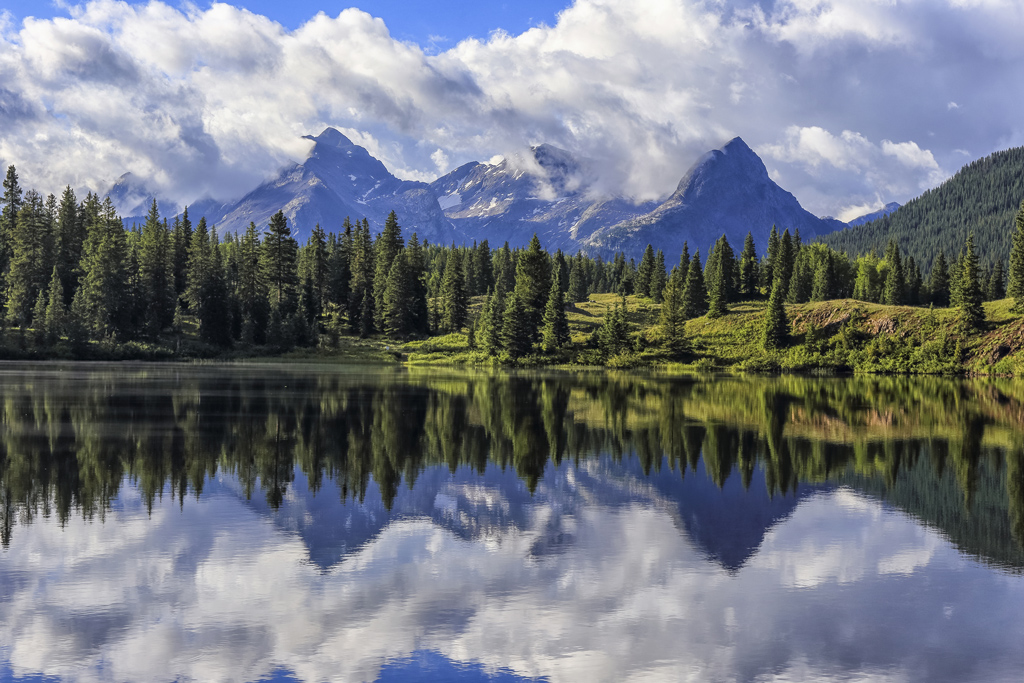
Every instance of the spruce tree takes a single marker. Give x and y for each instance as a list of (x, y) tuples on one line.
[(695, 295), (70, 243), (493, 323), (214, 308), (251, 289), (824, 279), (801, 281), (767, 274), (39, 319), (970, 288), (280, 253), (555, 334), (454, 302), (484, 267), (182, 240), (385, 250), (893, 293), (399, 299), (672, 318), (577, 289), (644, 272), (360, 313), (1016, 287), (516, 330), (748, 268), (418, 288), (613, 335), (533, 280), (938, 283), (55, 313), (8, 224), (197, 268), (658, 278), (318, 269), (155, 270), (996, 286), (776, 325), (25, 278)]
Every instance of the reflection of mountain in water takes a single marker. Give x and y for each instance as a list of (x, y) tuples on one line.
[(727, 524)]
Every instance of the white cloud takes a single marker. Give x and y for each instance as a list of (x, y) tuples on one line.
[(213, 100), (214, 591)]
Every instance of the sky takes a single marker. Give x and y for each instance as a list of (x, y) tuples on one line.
[(850, 103)]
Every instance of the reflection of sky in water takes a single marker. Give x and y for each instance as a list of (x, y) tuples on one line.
[(602, 576)]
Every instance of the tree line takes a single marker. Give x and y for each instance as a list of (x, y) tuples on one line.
[(70, 272)]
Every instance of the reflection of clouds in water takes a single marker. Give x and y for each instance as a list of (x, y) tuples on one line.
[(215, 592)]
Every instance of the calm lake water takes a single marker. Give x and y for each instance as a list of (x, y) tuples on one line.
[(290, 523)]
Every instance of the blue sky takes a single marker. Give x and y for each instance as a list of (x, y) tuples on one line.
[(420, 21), (850, 103)]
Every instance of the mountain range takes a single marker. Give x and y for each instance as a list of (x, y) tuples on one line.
[(545, 190)]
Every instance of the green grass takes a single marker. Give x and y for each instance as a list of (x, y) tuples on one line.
[(841, 336)]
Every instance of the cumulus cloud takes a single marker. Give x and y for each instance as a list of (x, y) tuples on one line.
[(211, 101)]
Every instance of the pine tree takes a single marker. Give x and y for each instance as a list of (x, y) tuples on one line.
[(8, 224), (1016, 287), (516, 330), (339, 266), (658, 278), (399, 299), (801, 281), (493, 323), (938, 283), (684, 260), (644, 272), (893, 294), (914, 282), (970, 288), (767, 274), (695, 295), (672, 318), (484, 267), (385, 250), (866, 287), (555, 334), (533, 280), (748, 267), (55, 314), (181, 237), (197, 268), (776, 325), (415, 260), (995, 288), (454, 302), (251, 289), (280, 253), (70, 243), (613, 335), (103, 302), (577, 289), (782, 266), (213, 310), (155, 269), (318, 269), (39, 319), (824, 279), (361, 303), (26, 277)]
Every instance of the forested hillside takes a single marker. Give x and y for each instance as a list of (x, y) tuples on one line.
[(982, 198)]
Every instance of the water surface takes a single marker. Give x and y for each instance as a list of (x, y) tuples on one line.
[(212, 523)]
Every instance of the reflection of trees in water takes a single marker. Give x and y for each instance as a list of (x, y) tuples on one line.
[(70, 439)]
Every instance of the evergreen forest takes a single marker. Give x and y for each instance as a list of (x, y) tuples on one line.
[(75, 283)]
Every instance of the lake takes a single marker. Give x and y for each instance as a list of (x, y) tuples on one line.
[(310, 523)]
